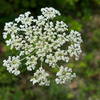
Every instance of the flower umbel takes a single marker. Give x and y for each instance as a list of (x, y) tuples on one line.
[(12, 64), (64, 75), (42, 42), (40, 76)]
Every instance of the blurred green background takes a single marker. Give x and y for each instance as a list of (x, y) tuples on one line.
[(81, 15)]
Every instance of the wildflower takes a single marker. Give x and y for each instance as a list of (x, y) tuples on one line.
[(64, 75), (40, 77), (42, 41), (12, 64)]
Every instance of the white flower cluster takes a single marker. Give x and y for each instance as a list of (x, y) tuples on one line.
[(12, 64), (64, 75), (40, 77), (49, 12), (42, 41)]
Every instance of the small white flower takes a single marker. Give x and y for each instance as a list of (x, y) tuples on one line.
[(74, 50), (31, 62), (51, 60), (40, 77), (49, 12), (25, 18), (64, 75), (12, 64), (39, 42), (61, 26), (74, 36)]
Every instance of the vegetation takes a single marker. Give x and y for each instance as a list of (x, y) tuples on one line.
[(81, 15)]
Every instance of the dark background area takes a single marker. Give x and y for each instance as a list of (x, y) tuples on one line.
[(81, 15)]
